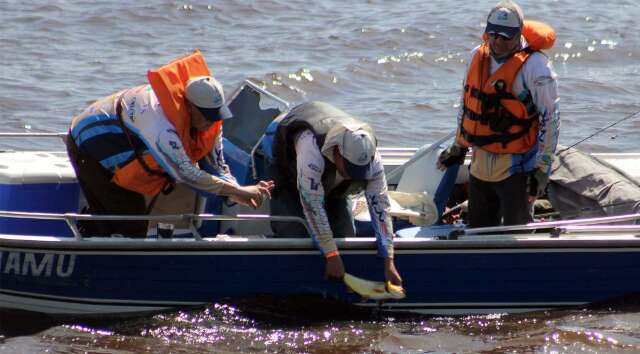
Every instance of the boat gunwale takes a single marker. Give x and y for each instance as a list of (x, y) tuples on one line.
[(519, 243)]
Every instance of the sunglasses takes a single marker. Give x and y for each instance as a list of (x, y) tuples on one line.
[(501, 36)]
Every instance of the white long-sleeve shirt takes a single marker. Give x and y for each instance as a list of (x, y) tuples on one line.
[(98, 131), (310, 166), (170, 145)]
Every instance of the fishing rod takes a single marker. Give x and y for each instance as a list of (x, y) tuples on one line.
[(630, 116), (549, 224)]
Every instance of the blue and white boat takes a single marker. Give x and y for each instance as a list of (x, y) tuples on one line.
[(218, 253)]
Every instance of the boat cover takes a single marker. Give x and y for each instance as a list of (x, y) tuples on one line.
[(582, 185)]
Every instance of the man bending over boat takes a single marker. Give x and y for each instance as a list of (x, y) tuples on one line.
[(323, 155), (509, 115), (142, 140)]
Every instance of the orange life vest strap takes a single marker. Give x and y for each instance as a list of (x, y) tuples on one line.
[(503, 138)]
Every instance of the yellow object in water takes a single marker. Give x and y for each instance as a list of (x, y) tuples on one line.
[(372, 289)]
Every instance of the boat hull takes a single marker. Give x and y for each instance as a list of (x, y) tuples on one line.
[(93, 277)]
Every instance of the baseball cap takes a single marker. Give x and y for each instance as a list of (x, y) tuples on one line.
[(505, 19), (358, 149), (205, 92)]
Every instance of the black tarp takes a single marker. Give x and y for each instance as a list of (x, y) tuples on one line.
[(582, 185)]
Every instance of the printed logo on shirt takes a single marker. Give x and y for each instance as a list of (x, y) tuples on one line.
[(542, 134), (144, 108), (313, 184), (314, 167), (131, 109), (377, 207)]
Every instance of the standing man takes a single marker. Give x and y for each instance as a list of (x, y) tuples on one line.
[(323, 155), (142, 140), (509, 115)]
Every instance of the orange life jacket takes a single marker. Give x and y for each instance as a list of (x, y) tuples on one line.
[(494, 119), (168, 83)]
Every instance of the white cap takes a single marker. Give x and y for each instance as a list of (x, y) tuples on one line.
[(205, 92), (358, 148), (505, 19)]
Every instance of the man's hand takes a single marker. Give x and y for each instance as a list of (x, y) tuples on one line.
[(453, 155), (391, 273), (266, 187), (253, 196), (334, 269), (451, 215), (538, 181)]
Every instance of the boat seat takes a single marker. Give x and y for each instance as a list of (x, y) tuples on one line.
[(181, 200), (249, 120)]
